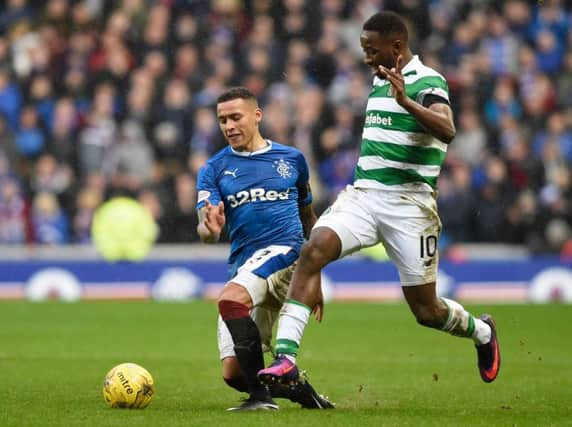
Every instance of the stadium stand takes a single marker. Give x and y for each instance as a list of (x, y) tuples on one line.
[(101, 98)]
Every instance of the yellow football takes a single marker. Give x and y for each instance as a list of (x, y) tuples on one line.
[(128, 385)]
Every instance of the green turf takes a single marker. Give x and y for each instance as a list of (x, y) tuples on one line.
[(371, 359)]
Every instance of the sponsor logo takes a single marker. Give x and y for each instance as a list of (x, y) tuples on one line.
[(254, 195), (125, 383), (232, 173), (373, 119)]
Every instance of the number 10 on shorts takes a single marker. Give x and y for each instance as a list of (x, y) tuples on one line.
[(428, 246)]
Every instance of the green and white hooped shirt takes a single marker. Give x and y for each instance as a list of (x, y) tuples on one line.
[(396, 151)]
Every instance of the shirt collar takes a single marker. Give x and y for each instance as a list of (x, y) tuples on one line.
[(253, 153), (411, 65)]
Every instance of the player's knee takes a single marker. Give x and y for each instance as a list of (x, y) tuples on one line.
[(235, 292), (230, 309), (428, 316), (315, 254)]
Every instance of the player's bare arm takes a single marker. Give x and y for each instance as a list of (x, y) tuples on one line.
[(211, 222), (437, 119)]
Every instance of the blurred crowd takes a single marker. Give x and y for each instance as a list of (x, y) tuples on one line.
[(99, 98)]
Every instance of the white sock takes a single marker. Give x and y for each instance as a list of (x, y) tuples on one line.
[(462, 323), (293, 319), (482, 334)]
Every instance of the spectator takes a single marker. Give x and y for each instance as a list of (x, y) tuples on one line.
[(181, 223), (503, 103), (205, 137), (471, 140), (62, 143), (549, 52), (16, 13), (10, 99), (564, 84), (129, 162), (50, 176), (522, 223), (13, 213), (458, 205), (49, 223), (336, 167), (8, 149), (98, 135), (557, 134), (493, 198), (41, 97), (175, 111), (501, 47), (30, 139), (87, 201)]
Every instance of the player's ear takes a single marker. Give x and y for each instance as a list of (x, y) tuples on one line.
[(396, 46), (258, 115)]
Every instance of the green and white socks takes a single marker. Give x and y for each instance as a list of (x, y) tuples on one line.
[(294, 317), (461, 323)]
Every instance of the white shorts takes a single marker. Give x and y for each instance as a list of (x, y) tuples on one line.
[(275, 264), (407, 224)]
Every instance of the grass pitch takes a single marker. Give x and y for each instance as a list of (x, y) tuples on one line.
[(371, 359)]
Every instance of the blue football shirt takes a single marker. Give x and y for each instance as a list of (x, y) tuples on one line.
[(261, 192)]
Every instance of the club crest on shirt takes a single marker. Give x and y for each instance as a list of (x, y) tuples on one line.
[(283, 168)]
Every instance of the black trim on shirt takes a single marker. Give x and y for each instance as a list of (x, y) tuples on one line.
[(431, 98)]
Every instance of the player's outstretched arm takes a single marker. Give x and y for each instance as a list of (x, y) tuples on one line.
[(211, 222), (437, 118)]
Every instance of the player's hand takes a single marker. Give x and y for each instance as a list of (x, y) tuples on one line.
[(395, 78), (318, 309), (214, 218)]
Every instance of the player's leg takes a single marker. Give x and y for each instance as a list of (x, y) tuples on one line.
[(233, 375), (231, 372), (450, 316), (411, 242), (344, 228), (234, 305), (299, 390), (323, 247), (444, 314), (248, 289)]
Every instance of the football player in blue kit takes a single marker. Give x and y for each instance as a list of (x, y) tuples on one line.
[(259, 190)]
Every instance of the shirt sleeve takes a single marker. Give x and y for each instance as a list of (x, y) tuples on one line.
[(303, 184), (432, 87), (431, 99), (207, 187)]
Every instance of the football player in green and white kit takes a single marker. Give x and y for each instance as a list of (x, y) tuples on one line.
[(393, 200)]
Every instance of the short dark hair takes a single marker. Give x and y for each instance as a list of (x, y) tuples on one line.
[(239, 92), (387, 23)]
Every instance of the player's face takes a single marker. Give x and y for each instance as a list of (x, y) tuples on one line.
[(379, 50), (238, 120)]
